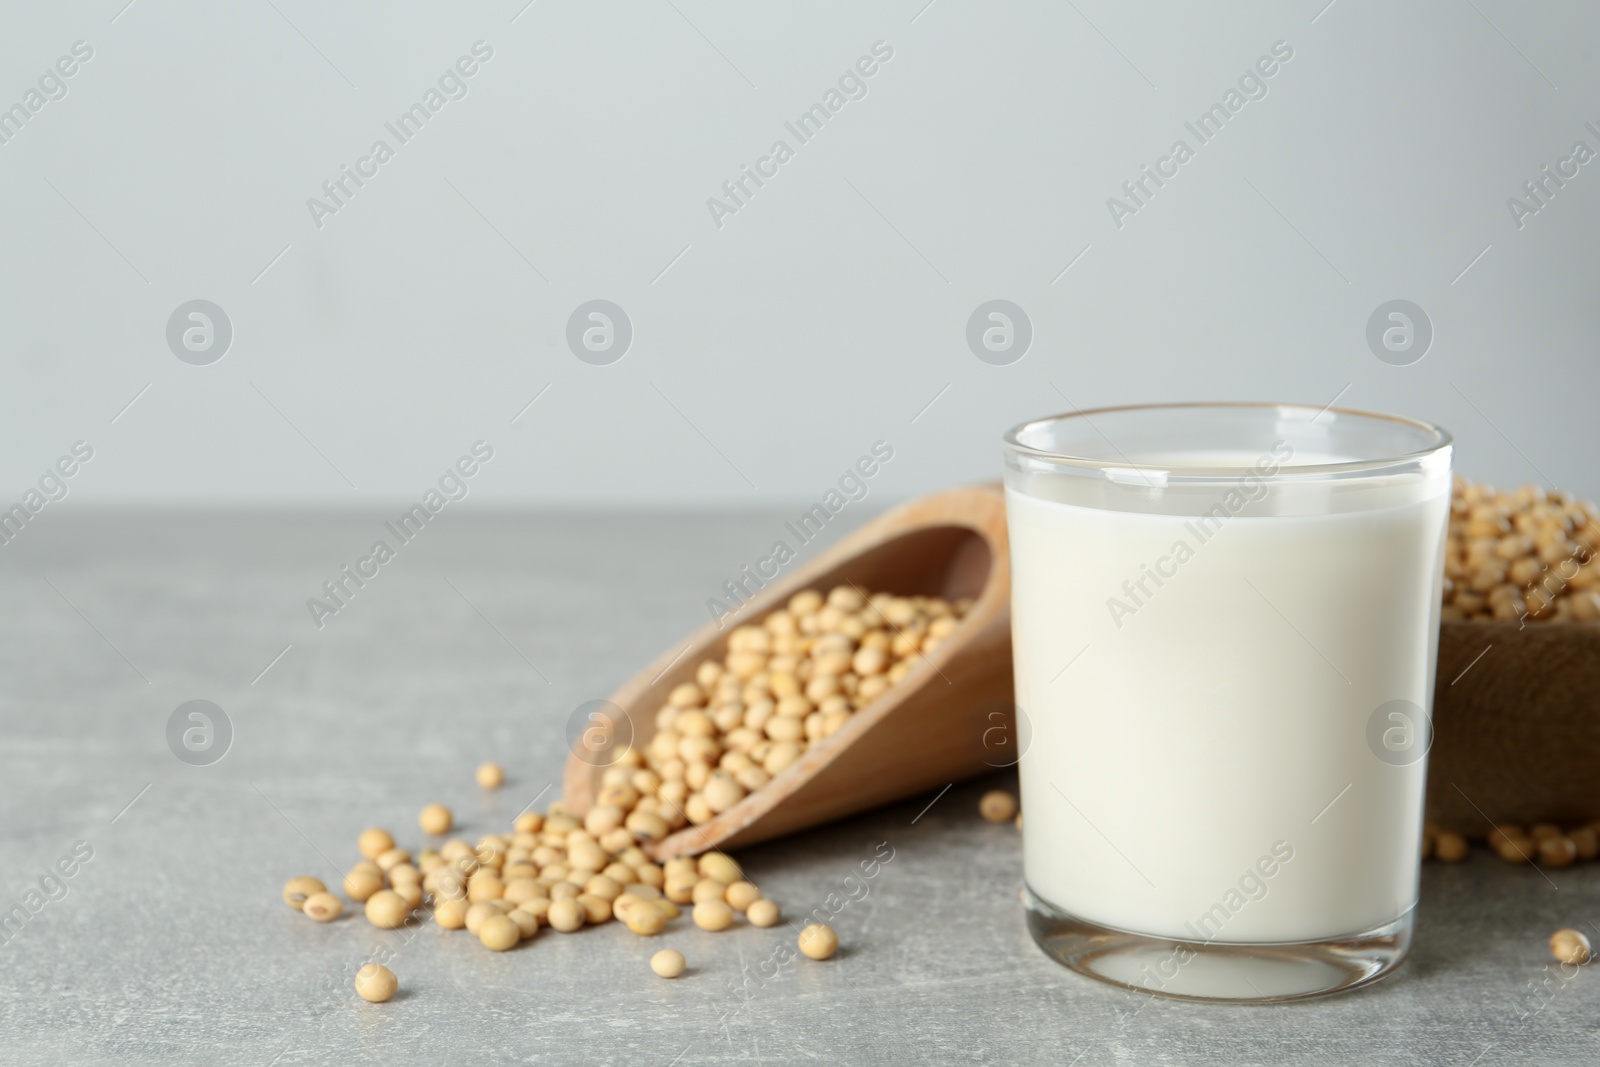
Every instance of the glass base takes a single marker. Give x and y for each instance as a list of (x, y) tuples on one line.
[(1214, 971)]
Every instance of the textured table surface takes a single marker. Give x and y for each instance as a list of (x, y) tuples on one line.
[(171, 944)]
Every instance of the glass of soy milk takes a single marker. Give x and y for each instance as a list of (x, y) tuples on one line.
[(1224, 622)]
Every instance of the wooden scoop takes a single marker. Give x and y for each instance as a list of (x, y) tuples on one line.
[(948, 719)]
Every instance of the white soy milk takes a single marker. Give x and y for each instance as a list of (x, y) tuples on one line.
[(1202, 768)]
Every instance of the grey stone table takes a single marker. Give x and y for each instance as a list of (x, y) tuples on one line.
[(169, 942)]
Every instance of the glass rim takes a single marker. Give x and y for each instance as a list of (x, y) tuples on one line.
[(1440, 440)]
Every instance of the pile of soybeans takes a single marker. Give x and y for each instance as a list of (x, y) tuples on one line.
[(549, 870), (785, 685), (1525, 554)]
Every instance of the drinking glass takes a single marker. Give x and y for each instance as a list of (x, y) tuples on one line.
[(1225, 619)]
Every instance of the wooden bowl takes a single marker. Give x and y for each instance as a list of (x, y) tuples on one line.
[(1516, 725)]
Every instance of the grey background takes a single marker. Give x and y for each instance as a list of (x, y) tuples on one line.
[(828, 313)]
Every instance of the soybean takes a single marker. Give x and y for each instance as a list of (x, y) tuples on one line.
[(668, 963), (498, 933), (323, 907), (298, 890), (374, 842), (998, 806), (491, 775), (762, 913), (387, 910), (451, 914), (740, 895), (361, 883), (818, 941), (436, 819), (1569, 946), (565, 915), (376, 983), (1450, 847), (713, 915), (1557, 851)]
